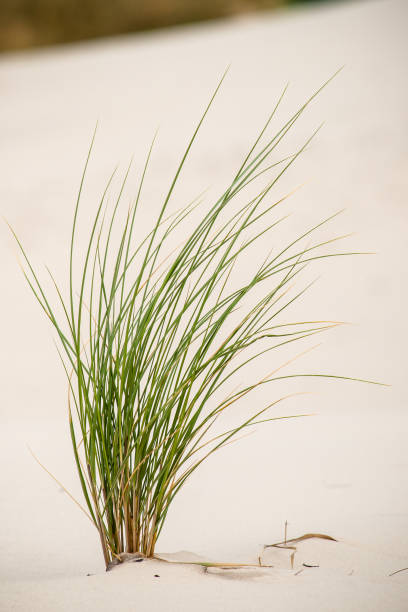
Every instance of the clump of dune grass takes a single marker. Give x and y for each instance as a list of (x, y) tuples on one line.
[(150, 339)]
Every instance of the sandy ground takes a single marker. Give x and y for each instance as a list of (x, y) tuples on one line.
[(341, 472)]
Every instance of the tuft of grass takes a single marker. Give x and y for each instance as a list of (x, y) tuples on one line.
[(149, 339)]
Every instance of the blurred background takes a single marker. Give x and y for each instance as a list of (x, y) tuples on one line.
[(33, 23)]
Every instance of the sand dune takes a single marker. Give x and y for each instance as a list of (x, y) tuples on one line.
[(341, 472)]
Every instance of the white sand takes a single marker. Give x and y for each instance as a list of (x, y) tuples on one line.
[(341, 472)]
